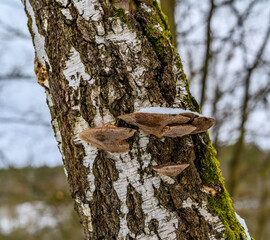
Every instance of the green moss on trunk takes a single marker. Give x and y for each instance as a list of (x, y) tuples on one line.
[(222, 203)]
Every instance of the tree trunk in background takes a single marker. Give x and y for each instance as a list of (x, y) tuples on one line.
[(95, 63), (239, 146), (168, 7), (207, 56)]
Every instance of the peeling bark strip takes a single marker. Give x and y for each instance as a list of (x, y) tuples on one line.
[(102, 62)]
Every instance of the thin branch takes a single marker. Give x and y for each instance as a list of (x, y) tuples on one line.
[(16, 76), (238, 151), (14, 31), (207, 56), (24, 121)]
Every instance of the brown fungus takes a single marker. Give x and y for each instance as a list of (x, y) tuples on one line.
[(109, 138), (210, 190), (127, 5), (41, 73), (202, 124), (190, 115), (153, 123), (171, 169), (168, 122), (177, 130)]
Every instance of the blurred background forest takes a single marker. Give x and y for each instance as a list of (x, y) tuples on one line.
[(225, 49)]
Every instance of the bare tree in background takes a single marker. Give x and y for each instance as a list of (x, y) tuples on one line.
[(238, 151), (215, 63), (229, 64)]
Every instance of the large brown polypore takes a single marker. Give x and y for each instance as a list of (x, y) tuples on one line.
[(109, 138), (153, 123), (169, 125)]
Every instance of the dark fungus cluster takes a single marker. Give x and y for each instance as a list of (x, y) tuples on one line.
[(112, 139)]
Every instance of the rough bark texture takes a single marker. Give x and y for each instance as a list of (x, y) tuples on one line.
[(102, 62)]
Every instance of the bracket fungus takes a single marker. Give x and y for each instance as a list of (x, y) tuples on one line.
[(202, 124), (171, 169), (127, 5), (168, 122), (177, 130), (109, 138), (210, 190)]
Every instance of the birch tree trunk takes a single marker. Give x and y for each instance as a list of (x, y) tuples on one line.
[(96, 62)]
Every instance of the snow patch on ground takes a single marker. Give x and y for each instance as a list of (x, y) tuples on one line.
[(34, 216)]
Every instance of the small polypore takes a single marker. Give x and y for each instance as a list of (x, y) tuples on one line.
[(40, 72), (168, 122), (127, 5), (209, 190), (109, 138), (171, 169)]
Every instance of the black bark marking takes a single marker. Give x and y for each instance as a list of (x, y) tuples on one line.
[(105, 205), (135, 216), (153, 226)]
